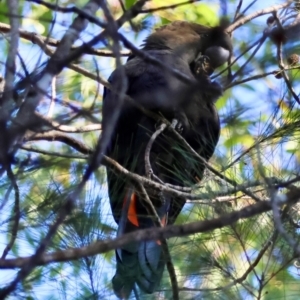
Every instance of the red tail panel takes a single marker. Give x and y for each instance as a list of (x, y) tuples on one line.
[(132, 213)]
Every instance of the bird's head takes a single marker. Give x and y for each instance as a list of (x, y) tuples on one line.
[(194, 39), (216, 44)]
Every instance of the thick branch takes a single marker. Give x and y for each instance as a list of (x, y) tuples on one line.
[(142, 235)]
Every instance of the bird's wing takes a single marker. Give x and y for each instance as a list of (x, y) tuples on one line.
[(148, 86)]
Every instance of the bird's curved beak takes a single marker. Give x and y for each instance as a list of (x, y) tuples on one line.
[(217, 55)]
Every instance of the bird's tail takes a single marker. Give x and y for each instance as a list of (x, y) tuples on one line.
[(138, 263)]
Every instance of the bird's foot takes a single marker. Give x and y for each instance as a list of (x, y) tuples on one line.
[(202, 67), (180, 122), (177, 125)]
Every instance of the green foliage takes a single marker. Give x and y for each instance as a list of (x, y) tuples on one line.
[(4, 12), (129, 3), (199, 12)]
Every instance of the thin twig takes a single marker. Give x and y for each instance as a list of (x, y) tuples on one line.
[(67, 128), (256, 14), (53, 97), (237, 11), (171, 6), (25, 113), (61, 137), (167, 256), (239, 71), (247, 272), (16, 214), (73, 9), (250, 4), (34, 37), (292, 196), (7, 102), (148, 168), (281, 63), (176, 192), (53, 153), (213, 170)]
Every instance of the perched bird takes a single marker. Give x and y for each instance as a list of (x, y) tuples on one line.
[(195, 51)]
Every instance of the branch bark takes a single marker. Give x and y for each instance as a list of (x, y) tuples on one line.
[(142, 235)]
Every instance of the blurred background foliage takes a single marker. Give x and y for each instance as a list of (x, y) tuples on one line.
[(260, 137)]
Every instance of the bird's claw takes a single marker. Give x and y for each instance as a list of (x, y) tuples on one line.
[(202, 66), (177, 125), (180, 122)]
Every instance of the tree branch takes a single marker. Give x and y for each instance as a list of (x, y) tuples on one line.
[(147, 235)]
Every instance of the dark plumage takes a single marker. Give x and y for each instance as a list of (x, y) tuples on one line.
[(188, 48)]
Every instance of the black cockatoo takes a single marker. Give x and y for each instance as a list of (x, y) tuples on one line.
[(194, 50)]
